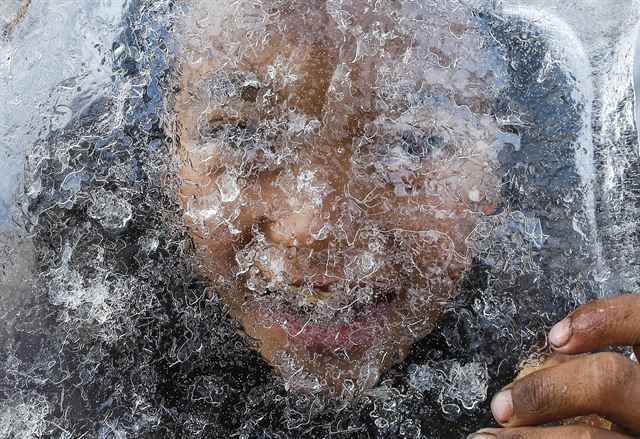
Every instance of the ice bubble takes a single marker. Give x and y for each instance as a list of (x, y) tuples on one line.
[(96, 302), (362, 265), (534, 230), (111, 211), (67, 252), (299, 123), (420, 377), (73, 181), (228, 186), (272, 259), (466, 384), (474, 195), (305, 180), (367, 262), (205, 208), (34, 188)]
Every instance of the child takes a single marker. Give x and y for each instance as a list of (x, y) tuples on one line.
[(343, 168), (329, 179)]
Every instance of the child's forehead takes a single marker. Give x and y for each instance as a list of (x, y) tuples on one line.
[(260, 31), (386, 47)]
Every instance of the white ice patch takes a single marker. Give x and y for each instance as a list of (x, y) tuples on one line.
[(24, 416), (228, 186), (362, 266), (95, 301), (367, 263), (205, 208), (112, 211), (457, 384), (272, 260), (299, 123)]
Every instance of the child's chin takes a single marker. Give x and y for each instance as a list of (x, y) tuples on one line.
[(327, 374), (341, 373)]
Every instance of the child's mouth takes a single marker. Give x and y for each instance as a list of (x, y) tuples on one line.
[(327, 314)]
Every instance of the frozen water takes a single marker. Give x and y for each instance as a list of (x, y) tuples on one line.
[(228, 186), (24, 416), (111, 210), (458, 386), (119, 318), (73, 65)]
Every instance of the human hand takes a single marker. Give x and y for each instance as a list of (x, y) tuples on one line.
[(607, 384)]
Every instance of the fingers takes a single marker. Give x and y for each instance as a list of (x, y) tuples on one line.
[(572, 432), (613, 321), (607, 384)]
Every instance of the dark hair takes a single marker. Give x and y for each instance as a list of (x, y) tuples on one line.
[(130, 341)]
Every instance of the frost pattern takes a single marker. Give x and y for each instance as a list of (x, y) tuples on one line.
[(456, 384), (24, 416), (112, 211), (125, 330)]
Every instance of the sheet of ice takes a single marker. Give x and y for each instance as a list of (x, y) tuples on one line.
[(10, 10), (56, 54), (169, 339), (51, 59), (603, 43)]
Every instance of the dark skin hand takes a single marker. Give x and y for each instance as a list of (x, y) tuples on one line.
[(607, 384)]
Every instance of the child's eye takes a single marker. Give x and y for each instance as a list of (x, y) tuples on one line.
[(236, 134), (240, 135), (422, 145)]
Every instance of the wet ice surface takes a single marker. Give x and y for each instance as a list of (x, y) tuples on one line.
[(111, 327)]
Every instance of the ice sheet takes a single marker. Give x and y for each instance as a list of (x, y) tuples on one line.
[(114, 327)]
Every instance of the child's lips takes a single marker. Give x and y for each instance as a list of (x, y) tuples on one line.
[(349, 326), (336, 333), (308, 331), (324, 282)]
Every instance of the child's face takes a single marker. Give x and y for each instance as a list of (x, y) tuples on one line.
[(330, 174)]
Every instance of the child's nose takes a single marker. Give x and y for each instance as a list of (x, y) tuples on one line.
[(303, 213), (291, 230)]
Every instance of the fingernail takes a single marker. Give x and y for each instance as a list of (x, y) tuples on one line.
[(481, 435), (502, 407), (560, 333)]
